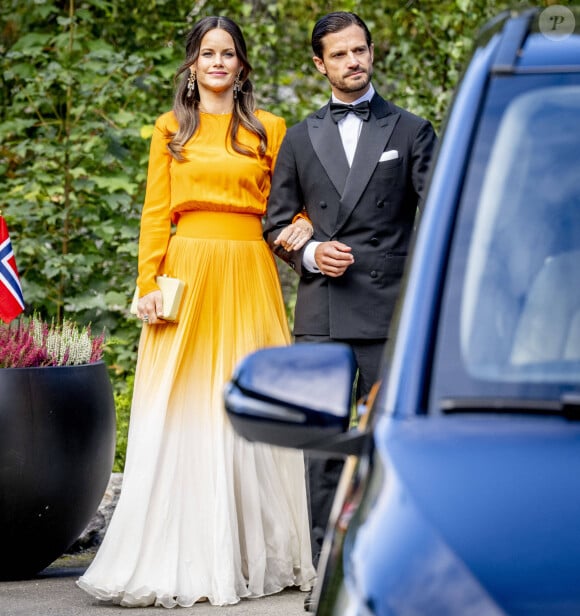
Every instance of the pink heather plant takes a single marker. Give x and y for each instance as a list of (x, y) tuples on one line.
[(31, 342)]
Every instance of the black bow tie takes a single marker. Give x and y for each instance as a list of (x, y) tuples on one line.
[(340, 110)]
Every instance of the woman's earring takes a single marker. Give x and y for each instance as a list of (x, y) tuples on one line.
[(191, 84), (237, 86)]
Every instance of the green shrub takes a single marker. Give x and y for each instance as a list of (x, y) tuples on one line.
[(123, 406)]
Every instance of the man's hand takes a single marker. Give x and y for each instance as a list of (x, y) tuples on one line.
[(294, 236), (333, 258)]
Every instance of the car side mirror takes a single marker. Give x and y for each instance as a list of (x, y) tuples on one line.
[(298, 396)]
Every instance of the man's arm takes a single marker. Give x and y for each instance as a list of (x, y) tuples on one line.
[(285, 202), (424, 147)]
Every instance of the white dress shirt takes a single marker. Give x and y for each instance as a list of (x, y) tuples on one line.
[(349, 128)]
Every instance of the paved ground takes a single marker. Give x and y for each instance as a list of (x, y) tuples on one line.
[(53, 592)]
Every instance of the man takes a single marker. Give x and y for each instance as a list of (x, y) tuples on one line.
[(359, 172)]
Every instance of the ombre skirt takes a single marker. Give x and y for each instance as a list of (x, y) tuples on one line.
[(202, 512)]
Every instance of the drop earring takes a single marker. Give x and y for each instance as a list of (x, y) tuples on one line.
[(237, 86), (191, 84)]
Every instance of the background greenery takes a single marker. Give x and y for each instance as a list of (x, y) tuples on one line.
[(81, 83)]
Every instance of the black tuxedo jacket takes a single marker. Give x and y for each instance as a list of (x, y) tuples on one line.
[(370, 206)]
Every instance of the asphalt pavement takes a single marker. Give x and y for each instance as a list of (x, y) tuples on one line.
[(53, 592)]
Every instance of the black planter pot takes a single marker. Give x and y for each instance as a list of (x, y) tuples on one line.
[(57, 445)]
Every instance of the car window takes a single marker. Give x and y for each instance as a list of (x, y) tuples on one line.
[(511, 307)]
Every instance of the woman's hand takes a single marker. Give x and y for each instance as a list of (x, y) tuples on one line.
[(150, 307), (294, 236)]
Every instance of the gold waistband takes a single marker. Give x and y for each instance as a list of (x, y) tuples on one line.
[(219, 225)]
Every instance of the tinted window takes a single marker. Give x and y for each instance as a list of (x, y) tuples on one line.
[(511, 308)]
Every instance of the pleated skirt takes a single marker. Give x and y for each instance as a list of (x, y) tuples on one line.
[(202, 512)]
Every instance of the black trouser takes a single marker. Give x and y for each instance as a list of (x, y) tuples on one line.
[(323, 474)]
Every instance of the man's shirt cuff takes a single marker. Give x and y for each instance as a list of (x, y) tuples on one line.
[(308, 260)]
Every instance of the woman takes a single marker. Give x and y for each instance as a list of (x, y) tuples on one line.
[(203, 514)]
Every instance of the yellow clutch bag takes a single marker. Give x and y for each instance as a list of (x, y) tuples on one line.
[(172, 291)]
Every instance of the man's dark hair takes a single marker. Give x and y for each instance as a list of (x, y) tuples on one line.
[(335, 22)]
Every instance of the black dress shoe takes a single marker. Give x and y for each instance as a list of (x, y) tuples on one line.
[(309, 602)]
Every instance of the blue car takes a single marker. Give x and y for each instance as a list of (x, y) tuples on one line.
[(461, 488)]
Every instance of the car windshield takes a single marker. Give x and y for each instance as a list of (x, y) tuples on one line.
[(511, 307)]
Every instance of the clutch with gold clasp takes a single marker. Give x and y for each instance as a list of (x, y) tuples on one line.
[(172, 291)]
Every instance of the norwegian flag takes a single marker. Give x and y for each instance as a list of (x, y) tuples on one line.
[(11, 299)]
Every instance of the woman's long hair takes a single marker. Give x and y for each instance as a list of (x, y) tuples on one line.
[(187, 109)]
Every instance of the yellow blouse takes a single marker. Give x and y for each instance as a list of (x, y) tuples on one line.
[(212, 176)]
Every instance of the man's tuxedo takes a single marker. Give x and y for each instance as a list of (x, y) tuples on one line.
[(370, 206)]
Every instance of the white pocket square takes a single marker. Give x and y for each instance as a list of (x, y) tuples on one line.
[(389, 155)]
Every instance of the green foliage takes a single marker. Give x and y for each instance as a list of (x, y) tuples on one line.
[(123, 409), (82, 81), (76, 102)]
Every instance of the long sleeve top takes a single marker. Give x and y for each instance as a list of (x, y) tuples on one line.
[(212, 177)]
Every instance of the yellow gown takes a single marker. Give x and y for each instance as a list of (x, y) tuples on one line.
[(202, 512)]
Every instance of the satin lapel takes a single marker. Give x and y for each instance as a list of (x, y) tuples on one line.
[(373, 139), (328, 146)]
